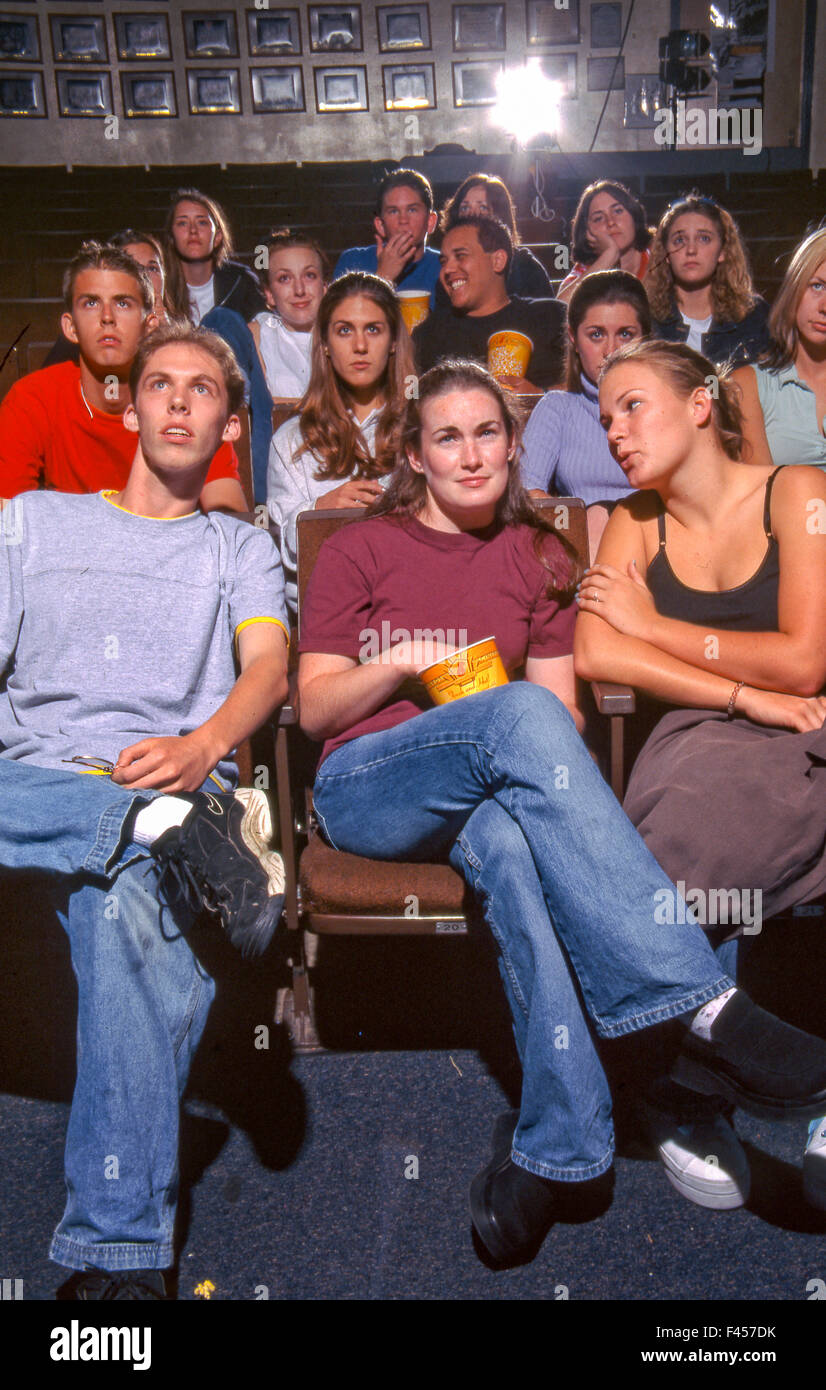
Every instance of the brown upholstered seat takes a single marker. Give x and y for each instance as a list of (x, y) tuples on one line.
[(334, 883)]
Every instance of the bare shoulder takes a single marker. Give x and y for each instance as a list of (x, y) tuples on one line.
[(631, 533), (745, 380), (798, 491)]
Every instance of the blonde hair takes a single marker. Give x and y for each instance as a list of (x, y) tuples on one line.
[(785, 334), (686, 371), (732, 291)]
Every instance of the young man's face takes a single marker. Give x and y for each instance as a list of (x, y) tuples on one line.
[(181, 411), (404, 210), (472, 276), (107, 320), (194, 232)]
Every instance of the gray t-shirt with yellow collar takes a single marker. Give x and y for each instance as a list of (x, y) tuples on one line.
[(116, 627)]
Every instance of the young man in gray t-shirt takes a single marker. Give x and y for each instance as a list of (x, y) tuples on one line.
[(142, 640)]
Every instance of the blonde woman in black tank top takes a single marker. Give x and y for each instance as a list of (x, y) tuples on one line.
[(709, 595)]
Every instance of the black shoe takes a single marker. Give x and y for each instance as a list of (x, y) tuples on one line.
[(767, 1067), (110, 1286), (511, 1209), (219, 859)]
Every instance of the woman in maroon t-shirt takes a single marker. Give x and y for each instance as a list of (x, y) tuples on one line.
[(501, 785)]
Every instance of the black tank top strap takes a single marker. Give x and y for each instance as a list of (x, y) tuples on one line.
[(767, 505), (661, 528)]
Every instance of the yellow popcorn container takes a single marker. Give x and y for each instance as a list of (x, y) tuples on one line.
[(509, 353), (415, 306), (466, 672)]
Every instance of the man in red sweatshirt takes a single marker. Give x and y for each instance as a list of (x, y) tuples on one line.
[(62, 427)]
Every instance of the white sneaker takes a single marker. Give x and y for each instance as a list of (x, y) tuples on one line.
[(814, 1165), (704, 1160)]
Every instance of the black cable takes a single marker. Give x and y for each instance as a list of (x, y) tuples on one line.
[(613, 70)]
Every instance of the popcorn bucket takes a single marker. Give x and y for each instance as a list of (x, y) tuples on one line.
[(466, 672), (415, 306), (509, 353)]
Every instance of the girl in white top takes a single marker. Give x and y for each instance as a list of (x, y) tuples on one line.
[(296, 280), (344, 439)]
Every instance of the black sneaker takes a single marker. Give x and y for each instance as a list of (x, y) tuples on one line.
[(218, 859), (756, 1061), (110, 1286)]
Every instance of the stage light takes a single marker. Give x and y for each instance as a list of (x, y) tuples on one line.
[(719, 20), (527, 102)]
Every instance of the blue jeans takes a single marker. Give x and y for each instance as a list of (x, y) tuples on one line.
[(502, 786), (143, 1001)]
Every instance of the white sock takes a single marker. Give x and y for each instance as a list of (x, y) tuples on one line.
[(161, 814), (704, 1017)]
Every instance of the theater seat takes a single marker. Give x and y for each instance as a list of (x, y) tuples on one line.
[(346, 894)]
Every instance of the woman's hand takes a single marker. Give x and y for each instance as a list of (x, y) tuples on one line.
[(412, 656), (623, 600), (356, 492), (781, 711), (608, 253)]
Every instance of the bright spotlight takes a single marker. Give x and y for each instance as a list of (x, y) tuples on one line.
[(527, 102)]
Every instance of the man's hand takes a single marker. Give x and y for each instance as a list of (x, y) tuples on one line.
[(169, 764), (519, 384), (393, 255)]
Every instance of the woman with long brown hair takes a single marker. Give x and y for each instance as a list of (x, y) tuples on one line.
[(344, 438), (609, 232), (501, 786), (699, 284), (565, 449)]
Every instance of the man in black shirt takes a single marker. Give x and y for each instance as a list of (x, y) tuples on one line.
[(475, 256)]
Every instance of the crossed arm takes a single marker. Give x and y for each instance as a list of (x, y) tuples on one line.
[(183, 763), (623, 638)]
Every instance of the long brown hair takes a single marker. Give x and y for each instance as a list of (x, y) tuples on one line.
[(328, 430), (497, 195), (178, 287), (732, 291), (686, 371), (583, 252), (406, 492)]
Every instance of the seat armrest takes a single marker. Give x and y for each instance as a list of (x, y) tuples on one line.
[(613, 699), (288, 712)]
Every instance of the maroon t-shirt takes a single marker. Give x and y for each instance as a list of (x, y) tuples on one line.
[(391, 579)]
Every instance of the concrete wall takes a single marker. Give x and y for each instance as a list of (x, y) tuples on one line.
[(376, 133), (818, 150)]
